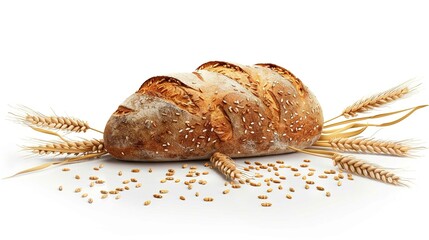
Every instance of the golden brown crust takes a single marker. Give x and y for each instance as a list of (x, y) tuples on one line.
[(234, 109)]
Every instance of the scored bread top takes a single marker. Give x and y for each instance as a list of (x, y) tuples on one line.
[(235, 109)]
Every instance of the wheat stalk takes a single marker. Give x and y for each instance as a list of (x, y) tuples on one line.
[(376, 100), (70, 147), (365, 145), (356, 166)]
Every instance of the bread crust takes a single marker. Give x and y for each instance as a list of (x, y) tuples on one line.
[(238, 110)]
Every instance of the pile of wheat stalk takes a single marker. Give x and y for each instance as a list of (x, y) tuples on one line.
[(340, 136)]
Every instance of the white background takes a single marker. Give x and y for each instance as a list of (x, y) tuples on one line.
[(83, 58)]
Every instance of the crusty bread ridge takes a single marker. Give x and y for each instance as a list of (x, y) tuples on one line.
[(230, 108)]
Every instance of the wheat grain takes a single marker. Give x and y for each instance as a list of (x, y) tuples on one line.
[(353, 165), (365, 145), (376, 100)]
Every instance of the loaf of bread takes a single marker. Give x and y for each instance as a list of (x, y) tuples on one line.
[(222, 107)]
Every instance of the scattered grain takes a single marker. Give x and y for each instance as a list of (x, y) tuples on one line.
[(208, 199), (320, 188), (147, 203), (266, 204), (157, 196)]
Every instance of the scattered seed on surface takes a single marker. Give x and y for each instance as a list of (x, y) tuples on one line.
[(147, 203), (266, 204), (182, 198), (104, 196), (84, 195), (226, 191), (197, 194), (77, 190), (163, 191), (263, 197), (163, 181), (120, 173), (117, 197), (157, 196), (96, 168), (99, 181), (236, 186), (297, 174), (208, 199), (307, 186), (150, 170), (60, 188), (93, 178), (339, 183), (288, 196), (126, 181), (269, 190), (66, 169), (77, 177), (135, 170), (307, 160), (291, 189), (320, 188), (138, 185), (90, 200), (323, 176), (328, 194), (133, 180)]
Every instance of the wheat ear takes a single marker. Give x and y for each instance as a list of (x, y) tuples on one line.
[(356, 166), (365, 145), (228, 167), (70, 147), (376, 100), (35, 119)]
